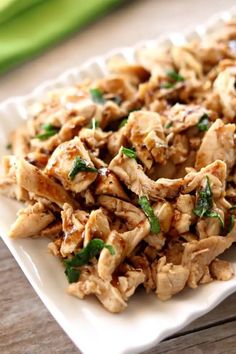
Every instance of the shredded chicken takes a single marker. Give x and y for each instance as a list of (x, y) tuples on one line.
[(132, 176)]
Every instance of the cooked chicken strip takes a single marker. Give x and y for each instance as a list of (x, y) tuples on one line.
[(170, 279), (108, 184), (73, 226), (31, 221), (199, 254), (132, 174), (106, 293), (221, 270), (97, 226), (61, 163), (148, 139), (20, 142), (33, 180), (217, 144), (123, 244), (127, 211)]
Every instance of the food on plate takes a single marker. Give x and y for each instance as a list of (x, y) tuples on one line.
[(132, 176)]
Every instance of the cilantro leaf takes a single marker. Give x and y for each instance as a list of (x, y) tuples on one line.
[(123, 122), (92, 249), (174, 76), (154, 222), (203, 123), (117, 99), (129, 152), (204, 202), (49, 130), (214, 214), (72, 274), (231, 222), (233, 207), (80, 165), (97, 96), (168, 125)]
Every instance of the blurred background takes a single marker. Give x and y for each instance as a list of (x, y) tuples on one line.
[(39, 39)]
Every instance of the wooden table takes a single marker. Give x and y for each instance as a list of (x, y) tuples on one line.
[(26, 327)]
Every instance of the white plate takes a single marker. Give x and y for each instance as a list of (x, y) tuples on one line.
[(93, 330)]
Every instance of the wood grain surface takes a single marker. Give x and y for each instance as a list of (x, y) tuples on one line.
[(26, 327)]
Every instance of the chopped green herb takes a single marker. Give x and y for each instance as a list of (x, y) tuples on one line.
[(93, 124), (9, 146), (123, 122), (214, 214), (83, 257), (167, 85), (174, 76), (80, 165), (97, 95), (154, 223), (233, 207), (129, 152), (49, 130), (169, 125), (231, 222), (203, 123), (72, 274), (204, 204)]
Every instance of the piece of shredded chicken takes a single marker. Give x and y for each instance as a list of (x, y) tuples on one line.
[(132, 176)]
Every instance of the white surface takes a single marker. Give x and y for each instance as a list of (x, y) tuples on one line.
[(147, 320)]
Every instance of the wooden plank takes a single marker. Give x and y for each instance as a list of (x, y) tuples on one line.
[(219, 339)]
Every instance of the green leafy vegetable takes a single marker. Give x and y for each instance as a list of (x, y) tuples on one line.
[(154, 223), (204, 204), (129, 152), (203, 123), (9, 146), (72, 274), (231, 222), (123, 122), (169, 125), (233, 207), (83, 257), (214, 214), (97, 96), (49, 130), (94, 124), (174, 76), (80, 165)]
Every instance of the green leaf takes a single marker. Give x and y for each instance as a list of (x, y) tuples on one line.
[(168, 85), (80, 165), (169, 125), (174, 76), (233, 207), (72, 274), (49, 130), (154, 222), (92, 249), (123, 122), (129, 152), (94, 124), (97, 96), (231, 222), (203, 123), (214, 214), (204, 201)]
